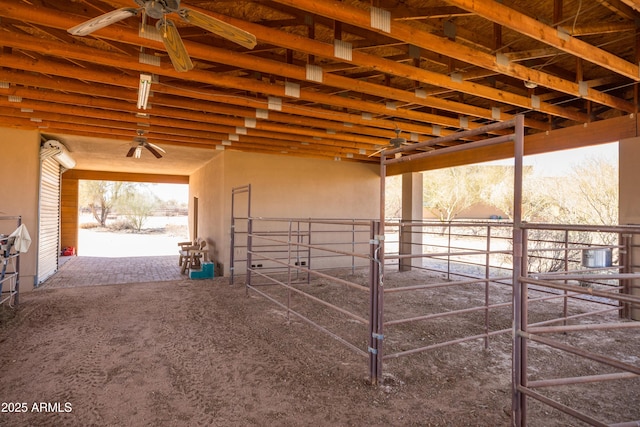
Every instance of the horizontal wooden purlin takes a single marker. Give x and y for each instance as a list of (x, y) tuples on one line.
[(182, 141), (106, 58), (19, 123), (299, 73), (248, 142), (435, 13), (125, 176), (301, 114), (423, 39), (535, 29), (174, 134), (198, 138), (194, 124), (334, 119), (601, 132), (274, 116), (601, 28), (276, 148), (328, 99), (166, 117), (338, 101), (106, 133), (94, 90), (127, 130), (410, 72)]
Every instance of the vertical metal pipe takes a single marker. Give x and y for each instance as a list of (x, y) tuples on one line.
[(625, 260), (375, 362), (517, 368), (377, 279), (487, 273), (233, 236), (16, 299), (249, 250), (524, 297), (565, 303), (353, 246), (449, 254), (309, 252), (289, 270)]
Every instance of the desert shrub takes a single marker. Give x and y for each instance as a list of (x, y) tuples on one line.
[(89, 225), (120, 225)]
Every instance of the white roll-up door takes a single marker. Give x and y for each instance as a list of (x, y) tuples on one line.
[(49, 219)]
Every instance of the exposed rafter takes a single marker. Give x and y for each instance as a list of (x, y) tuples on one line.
[(327, 78)]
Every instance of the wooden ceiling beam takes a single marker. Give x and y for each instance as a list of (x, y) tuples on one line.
[(267, 66), (400, 69), (115, 60), (322, 49), (423, 39), (510, 18), (623, 9), (288, 114)]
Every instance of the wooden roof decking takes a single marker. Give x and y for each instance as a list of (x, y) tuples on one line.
[(430, 68)]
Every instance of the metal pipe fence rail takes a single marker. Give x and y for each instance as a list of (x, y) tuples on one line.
[(9, 257), (334, 249), (450, 247), (608, 289), (465, 253)]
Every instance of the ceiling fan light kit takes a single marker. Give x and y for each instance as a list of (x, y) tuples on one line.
[(143, 91)]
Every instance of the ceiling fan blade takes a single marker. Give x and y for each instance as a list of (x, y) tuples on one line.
[(221, 28), (377, 152), (131, 151), (156, 147), (173, 43), (153, 151), (102, 21)]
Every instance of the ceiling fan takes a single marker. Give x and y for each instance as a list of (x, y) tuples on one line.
[(159, 9), (138, 143), (396, 142)]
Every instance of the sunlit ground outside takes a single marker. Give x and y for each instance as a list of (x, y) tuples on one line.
[(159, 237)]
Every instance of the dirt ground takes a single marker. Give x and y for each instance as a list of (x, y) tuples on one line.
[(204, 353)]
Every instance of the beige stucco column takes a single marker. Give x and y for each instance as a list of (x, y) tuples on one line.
[(410, 237), (629, 200)]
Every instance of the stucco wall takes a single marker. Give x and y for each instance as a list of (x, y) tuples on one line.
[(629, 212), (20, 165), (281, 186)]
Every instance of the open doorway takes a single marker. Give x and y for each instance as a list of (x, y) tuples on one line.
[(124, 219)]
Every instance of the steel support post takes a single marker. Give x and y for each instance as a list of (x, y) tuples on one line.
[(249, 250), (625, 261), (376, 296), (518, 368)]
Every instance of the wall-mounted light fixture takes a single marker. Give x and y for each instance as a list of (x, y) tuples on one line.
[(144, 90)]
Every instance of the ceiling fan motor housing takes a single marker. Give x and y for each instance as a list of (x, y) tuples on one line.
[(158, 8), (397, 142)]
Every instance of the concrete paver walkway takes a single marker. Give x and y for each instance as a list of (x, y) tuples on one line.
[(91, 271)]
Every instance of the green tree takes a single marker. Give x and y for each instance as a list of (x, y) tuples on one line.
[(537, 204), (447, 192), (591, 196), (138, 206), (101, 197), (393, 196)]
